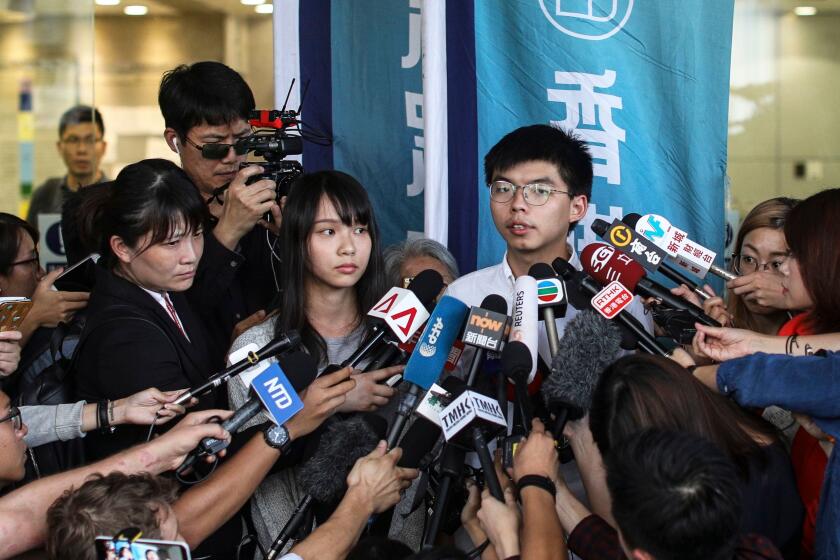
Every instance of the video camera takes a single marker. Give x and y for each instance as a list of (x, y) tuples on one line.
[(272, 141)]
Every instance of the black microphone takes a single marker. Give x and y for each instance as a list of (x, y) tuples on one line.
[(323, 477), (666, 269), (426, 286), (516, 365), (485, 330), (281, 343), (590, 343), (551, 296), (577, 280)]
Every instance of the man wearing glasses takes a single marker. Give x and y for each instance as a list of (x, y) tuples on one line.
[(81, 146), (205, 107), (540, 183)]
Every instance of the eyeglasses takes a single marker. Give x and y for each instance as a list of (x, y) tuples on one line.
[(33, 260), (87, 141), (535, 194), (217, 150), (15, 417), (747, 264)]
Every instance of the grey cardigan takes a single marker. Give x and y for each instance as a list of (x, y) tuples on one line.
[(47, 423)]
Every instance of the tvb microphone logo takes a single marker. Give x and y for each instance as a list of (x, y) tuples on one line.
[(428, 349)]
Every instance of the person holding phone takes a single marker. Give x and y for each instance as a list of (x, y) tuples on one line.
[(21, 275)]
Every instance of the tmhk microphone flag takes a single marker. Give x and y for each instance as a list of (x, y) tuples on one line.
[(415, 92)]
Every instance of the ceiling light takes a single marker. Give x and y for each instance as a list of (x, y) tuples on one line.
[(107, 2), (252, 2), (264, 9), (805, 11), (136, 10)]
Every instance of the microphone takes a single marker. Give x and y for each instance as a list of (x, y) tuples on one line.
[(280, 344), (525, 323), (276, 392), (427, 360), (516, 365), (485, 330), (580, 282), (686, 253), (607, 264), (667, 270), (467, 422), (590, 343), (399, 313), (551, 295), (323, 477)]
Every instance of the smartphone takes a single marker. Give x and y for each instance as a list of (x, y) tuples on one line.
[(13, 310), (108, 548), (80, 277)]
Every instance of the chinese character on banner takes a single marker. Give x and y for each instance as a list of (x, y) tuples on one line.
[(637, 247), (470, 337), (585, 109)]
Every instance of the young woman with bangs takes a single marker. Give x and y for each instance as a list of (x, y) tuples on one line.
[(140, 330), (332, 275)]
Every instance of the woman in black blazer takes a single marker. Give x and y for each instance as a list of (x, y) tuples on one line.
[(140, 330)]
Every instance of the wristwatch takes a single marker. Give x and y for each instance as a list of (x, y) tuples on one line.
[(277, 437)]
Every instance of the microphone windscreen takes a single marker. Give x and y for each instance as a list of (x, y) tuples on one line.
[(426, 286), (516, 361), (495, 303), (417, 442), (631, 219), (324, 474), (526, 321), (300, 369), (606, 264), (432, 350), (600, 227), (541, 270), (590, 343)]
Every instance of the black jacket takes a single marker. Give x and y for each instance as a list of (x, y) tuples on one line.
[(130, 343)]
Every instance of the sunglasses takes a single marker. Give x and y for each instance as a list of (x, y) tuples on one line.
[(217, 150), (14, 416)]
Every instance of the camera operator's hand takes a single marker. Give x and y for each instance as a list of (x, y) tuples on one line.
[(244, 205), (276, 218)]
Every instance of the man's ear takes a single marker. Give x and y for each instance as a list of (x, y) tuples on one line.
[(577, 208), (123, 252), (172, 140)]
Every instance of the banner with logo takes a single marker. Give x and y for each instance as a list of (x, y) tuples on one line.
[(415, 92), (646, 84)]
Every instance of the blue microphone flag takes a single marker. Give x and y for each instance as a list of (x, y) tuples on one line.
[(277, 394), (429, 356)]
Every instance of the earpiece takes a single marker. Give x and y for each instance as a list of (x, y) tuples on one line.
[(175, 145)]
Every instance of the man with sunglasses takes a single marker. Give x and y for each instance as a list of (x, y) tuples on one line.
[(540, 181), (205, 107)]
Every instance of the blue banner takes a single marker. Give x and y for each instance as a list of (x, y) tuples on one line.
[(646, 84), (377, 107)]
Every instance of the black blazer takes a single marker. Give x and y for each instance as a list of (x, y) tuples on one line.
[(130, 343)]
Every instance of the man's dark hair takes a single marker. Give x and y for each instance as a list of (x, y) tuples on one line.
[(80, 114), (204, 92), (675, 496), (106, 505), (542, 142)]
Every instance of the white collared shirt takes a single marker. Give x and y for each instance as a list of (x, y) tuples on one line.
[(499, 279), (159, 298)]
